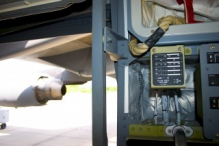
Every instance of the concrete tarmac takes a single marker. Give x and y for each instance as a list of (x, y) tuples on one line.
[(67, 122)]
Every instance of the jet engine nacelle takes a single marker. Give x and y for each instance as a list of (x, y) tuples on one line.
[(30, 91)]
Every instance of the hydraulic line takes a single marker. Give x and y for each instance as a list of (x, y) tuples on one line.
[(180, 138), (155, 109), (165, 108), (141, 83), (164, 24), (178, 119)]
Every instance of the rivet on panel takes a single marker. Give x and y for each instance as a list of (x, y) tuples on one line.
[(154, 49), (148, 129), (140, 129)]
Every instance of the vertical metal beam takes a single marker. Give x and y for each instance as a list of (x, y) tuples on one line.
[(122, 16), (99, 134), (122, 119), (114, 15)]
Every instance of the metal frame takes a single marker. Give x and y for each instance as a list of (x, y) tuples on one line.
[(121, 26), (99, 133)]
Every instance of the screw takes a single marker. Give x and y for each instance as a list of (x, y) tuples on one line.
[(154, 49), (180, 49), (148, 129), (187, 51), (217, 135), (213, 47), (187, 132), (169, 131)]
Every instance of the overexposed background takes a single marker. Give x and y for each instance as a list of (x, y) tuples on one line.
[(65, 122)]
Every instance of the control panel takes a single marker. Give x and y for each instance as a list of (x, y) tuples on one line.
[(213, 57), (167, 67), (209, 71)]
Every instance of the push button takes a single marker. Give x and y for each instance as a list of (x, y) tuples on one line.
[(214, 102), (210, 57), (213, 57), (213, 80)]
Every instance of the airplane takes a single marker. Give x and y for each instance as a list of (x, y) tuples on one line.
[(69, 54)]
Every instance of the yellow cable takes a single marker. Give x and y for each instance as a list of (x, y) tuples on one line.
[(164, 24)]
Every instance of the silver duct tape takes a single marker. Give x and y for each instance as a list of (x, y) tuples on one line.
[(186, 101)]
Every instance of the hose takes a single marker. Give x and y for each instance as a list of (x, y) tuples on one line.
[(180, 138), (164, 24)]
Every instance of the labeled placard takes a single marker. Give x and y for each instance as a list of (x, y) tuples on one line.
[(167, 67)]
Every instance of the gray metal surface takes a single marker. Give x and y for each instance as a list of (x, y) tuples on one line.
[(210, 116), (99, 134)]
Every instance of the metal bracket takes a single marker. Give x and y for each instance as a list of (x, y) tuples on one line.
[(115, 45), (170, 130)]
